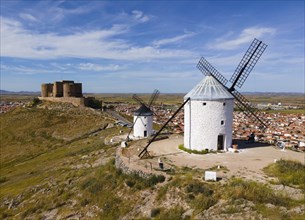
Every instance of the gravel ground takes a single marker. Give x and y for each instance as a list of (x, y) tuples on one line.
[(248, 163)]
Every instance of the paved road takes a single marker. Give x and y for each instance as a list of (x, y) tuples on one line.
[(118, 117)]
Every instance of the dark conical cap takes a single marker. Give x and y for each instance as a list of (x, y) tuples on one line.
[(143, 111)]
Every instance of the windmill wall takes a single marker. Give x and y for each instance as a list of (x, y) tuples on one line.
[(143, 123), (203, 124)]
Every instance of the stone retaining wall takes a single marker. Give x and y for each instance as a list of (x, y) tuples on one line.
[(123, 164)]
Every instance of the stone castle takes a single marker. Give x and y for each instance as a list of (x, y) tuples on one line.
[(66, 91)]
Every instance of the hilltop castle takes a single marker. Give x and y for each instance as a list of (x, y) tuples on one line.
[(65, 91)]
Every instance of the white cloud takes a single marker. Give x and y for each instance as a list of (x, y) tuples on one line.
[(246, 36), (23, 70), (58, 13), (173, 39), (98, 68), (18, 42), (139, 16), (28, 17)]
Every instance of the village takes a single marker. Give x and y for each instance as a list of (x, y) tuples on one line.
[(282, 128), (6, 106)]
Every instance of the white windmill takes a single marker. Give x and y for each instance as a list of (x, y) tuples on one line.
[(208, 116), (143, 117)]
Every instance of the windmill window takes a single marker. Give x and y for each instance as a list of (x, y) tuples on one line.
[(222, 122), (144, 116), (204, 103), (224, 104)]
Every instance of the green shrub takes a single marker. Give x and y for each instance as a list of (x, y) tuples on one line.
[(288, 172), (202, 202), (3, 179), (200, 195), (84, 202), (154, 212), (181, 147), (130, 183), (197, 187), (153, 180), (35, 102), (174, 213), (162, 192), (253, 191)]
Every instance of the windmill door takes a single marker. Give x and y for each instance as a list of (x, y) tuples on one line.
[(145, 133), (220, 141)]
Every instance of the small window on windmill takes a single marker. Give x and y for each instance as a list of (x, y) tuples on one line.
[(144, 116), (204, 103), (222, 122), (224, 104), (145, 125)]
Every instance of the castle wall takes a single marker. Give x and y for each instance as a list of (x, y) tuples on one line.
[(73, 100), (78, 90)]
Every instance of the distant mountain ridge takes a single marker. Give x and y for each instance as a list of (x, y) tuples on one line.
[(4, 92)]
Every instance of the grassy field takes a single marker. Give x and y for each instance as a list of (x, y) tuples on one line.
[(28, 132)]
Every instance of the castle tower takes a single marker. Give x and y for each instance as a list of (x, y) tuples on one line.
[(208, 116), (68, 88), (46, 90), (57, 89)]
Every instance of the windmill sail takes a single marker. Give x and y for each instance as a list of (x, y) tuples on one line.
[(245, 106), (153, 97), (247, 63), (139, 100), (207, 69), (241, 73)]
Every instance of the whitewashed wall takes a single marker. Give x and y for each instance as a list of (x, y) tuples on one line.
[(139, 126), (202, 124)]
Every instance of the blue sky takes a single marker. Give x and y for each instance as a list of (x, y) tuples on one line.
[(137, 46)]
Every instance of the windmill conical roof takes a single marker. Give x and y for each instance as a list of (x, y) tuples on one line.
[(209, 89), (143, 111)]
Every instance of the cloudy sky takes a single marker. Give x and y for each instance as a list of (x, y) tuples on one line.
[(137, 46)]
